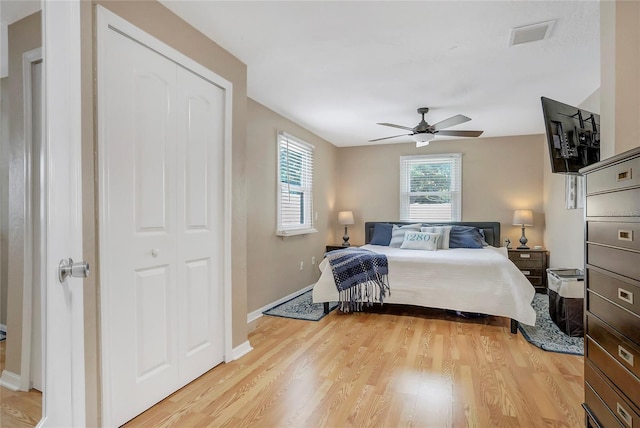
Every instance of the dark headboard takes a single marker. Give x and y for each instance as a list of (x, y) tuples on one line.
[(491, 229)]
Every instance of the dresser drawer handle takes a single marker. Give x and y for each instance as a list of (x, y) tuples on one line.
[(626, 417), (625, 296), (624, 175), (625, 355), (625, 235), (526, 272), (525, 256)]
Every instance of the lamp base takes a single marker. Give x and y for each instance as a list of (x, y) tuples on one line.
[(523, 241), (345, 238)]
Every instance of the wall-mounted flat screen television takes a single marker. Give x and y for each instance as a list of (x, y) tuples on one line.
[(573, 135)]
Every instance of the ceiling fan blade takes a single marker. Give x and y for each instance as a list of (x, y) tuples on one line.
[(397, 126), (452, 121), (386, 138), (460, 133)]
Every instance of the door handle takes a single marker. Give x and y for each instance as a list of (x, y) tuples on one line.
[(68, 268)]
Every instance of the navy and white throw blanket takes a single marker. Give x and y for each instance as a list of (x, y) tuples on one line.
[(361, 277)]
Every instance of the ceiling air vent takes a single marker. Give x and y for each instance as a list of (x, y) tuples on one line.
[(531, 33)]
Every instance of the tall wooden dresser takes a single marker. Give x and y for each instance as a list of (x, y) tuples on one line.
[(612, 303)]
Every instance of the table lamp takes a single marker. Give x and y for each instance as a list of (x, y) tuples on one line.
[(523, 218), (345, 218)]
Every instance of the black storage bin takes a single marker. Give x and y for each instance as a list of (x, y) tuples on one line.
[(566, 300)]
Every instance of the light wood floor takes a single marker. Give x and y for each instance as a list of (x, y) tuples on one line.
[(396, 367), (18, 409)]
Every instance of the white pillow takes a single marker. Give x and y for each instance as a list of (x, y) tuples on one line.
[(397, 233), (420, 241), (444, 232)]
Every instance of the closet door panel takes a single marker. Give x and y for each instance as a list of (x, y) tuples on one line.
[(138, 264), (200, 241)]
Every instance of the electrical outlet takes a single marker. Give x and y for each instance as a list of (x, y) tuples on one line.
[(313, 260), (301, 265)]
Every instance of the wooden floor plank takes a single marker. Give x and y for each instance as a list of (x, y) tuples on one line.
[(18, 409), (390, 367)]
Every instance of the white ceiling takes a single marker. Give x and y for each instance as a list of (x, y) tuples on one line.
[(337, 68)]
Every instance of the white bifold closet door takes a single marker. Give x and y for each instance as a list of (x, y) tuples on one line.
[(162, 144)]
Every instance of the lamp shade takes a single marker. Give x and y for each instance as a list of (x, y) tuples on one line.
[(523, 218), (345, 217)]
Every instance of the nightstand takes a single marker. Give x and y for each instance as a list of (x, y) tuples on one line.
[(533, 264), (335, 247)]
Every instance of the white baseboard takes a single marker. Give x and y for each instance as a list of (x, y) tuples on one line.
[(252, 316), (240, 351), (10, 380), (3, 328)]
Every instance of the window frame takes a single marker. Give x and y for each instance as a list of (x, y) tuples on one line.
[(305, 188), (455, 186)]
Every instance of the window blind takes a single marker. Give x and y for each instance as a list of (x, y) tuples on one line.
[(295, 185), (431, 187)]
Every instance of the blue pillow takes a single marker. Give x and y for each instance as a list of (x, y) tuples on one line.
[(381, 234), (484, 238), (465, 237)]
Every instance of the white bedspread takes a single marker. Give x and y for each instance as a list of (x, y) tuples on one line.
[(462, 279)]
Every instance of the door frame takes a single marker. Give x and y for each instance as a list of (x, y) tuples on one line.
[(63, 348), (30, 189), (109, 21)]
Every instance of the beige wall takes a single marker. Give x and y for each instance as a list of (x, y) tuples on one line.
[(4, 197), (564, 232), (273, 262), (24, 36), (89, 221), (620, 76), (498, 174)]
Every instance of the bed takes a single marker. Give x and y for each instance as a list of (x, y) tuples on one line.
[(477, 280)]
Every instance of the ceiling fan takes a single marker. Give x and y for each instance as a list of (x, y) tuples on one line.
[(423, 132)]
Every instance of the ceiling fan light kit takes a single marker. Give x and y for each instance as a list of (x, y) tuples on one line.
[(423, 138), (423, 132)]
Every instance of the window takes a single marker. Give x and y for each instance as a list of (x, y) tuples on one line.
[(295, 186), (430, 187)]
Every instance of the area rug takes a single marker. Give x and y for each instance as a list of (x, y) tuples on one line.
[(301, 308), (546, 334)]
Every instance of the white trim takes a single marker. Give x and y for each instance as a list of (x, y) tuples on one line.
[(10, 380), (293, 232), (252, 316), (108, 21), (240, 351), (64, 374), (28, 59), (3, 327)]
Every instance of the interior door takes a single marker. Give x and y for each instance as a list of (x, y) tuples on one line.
[(161, 166)]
